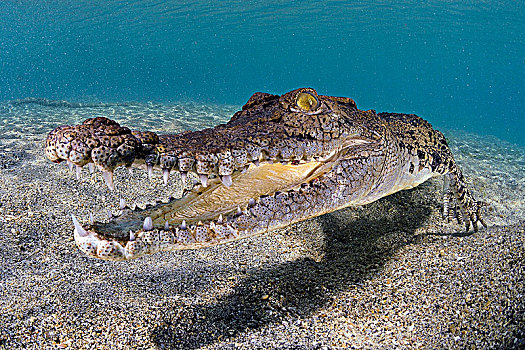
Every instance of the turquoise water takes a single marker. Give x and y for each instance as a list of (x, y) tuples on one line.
[(459, 64)]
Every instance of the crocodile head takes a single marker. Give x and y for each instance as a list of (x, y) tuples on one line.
[(271, 165)]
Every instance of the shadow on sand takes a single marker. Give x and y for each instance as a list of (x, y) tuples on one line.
[(353, 251)]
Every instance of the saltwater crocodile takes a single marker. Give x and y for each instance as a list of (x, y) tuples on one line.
[(279, 160)]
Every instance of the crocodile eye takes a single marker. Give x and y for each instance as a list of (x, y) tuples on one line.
[(306, 101)]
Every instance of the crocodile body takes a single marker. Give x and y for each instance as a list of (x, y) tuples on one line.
[(279, 160)]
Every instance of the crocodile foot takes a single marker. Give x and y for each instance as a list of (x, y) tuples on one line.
[(459, 204)]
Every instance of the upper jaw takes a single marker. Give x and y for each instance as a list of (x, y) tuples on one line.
[(213, 152)]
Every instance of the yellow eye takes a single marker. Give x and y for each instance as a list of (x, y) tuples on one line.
[(307, 101)]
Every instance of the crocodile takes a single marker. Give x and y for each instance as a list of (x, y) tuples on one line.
[(279, 160)]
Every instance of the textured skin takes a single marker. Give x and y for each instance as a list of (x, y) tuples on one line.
[(344, 157)]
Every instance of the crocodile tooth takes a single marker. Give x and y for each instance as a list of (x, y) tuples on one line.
[(256, 162), (239, 210), (150, 172), (251, 202), (122, 203), (165, 175), (91, 219), (233, 232), (166, 226), (148, 224), (219, 220), (80, 230), (131, 236), (78, 172), (108, 178), (183, 225), (226, 180), (91, 167), (204, 180), (70, 165), (130, 170)]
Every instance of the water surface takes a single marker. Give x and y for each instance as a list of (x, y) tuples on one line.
[(459, 64)]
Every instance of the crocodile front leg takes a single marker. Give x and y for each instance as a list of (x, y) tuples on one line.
[(456, 190)]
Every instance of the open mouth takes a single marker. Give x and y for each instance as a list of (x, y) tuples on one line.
[(263, 170), (264, 192), (214, 201)]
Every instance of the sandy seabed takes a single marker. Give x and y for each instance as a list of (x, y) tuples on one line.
[(391, 274)]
